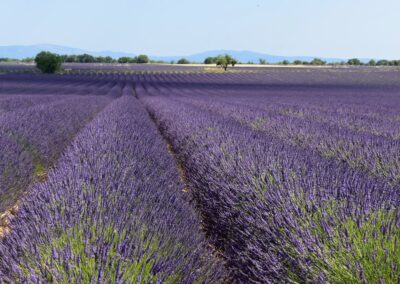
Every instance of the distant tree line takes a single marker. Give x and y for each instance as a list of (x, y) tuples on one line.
[(4, 59), (87, 58), (384, 63), (318, 61), (25, 60), (220, 60), (350, 62), (50, 62)]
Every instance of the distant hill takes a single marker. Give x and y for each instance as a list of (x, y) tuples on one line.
[(23, 51)]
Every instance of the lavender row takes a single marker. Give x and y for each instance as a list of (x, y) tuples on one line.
[(47, 85), (355, 107), (276, 211), (37, 136), (112, 211), (11, 103), (287, 78), (364, 150)]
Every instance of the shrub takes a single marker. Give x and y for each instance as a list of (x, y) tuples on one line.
[(354, 61), (183, 61), (48, 62), (210, 60), (126, 59), (142, 59), (262, 61), (317, 61)]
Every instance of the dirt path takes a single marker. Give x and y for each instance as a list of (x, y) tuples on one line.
[(6, 217)]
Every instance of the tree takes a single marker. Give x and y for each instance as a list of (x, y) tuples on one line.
[(354, 61), (382, 62), (48, 62), (183, 61), (297, 62), (85, 58), (317, 61), (5, 59), (210, 60), (106, 59), (142, 59), (126, 59), (394, 63), (262, 61), (234, 62), (225, 60), (28, 59), (71, 58), (372, 62), (103, 59)]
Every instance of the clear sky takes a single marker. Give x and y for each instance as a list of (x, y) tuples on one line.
[(326, 28)]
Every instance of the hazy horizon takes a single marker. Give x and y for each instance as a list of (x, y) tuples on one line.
[(340, 29)]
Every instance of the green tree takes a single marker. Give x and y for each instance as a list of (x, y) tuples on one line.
[(85, 58), (210, 60), (104, 59), (394, 63), (233, 62), (297, 62), (262, 61), (317, 61), (48, 62), (225, 60), (28, 59), (382, 62), (142, 59), (183, 61), (71, 58), (372, 62), (354, 61), (126, 59), (108, 59)]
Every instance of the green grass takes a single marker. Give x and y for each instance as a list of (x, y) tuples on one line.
[(83, 265), (362, 251), (72, 254)]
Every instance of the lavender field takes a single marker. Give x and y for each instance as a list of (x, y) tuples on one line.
[(276, 175)]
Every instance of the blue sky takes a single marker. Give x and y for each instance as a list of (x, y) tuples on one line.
[(326, 28)]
